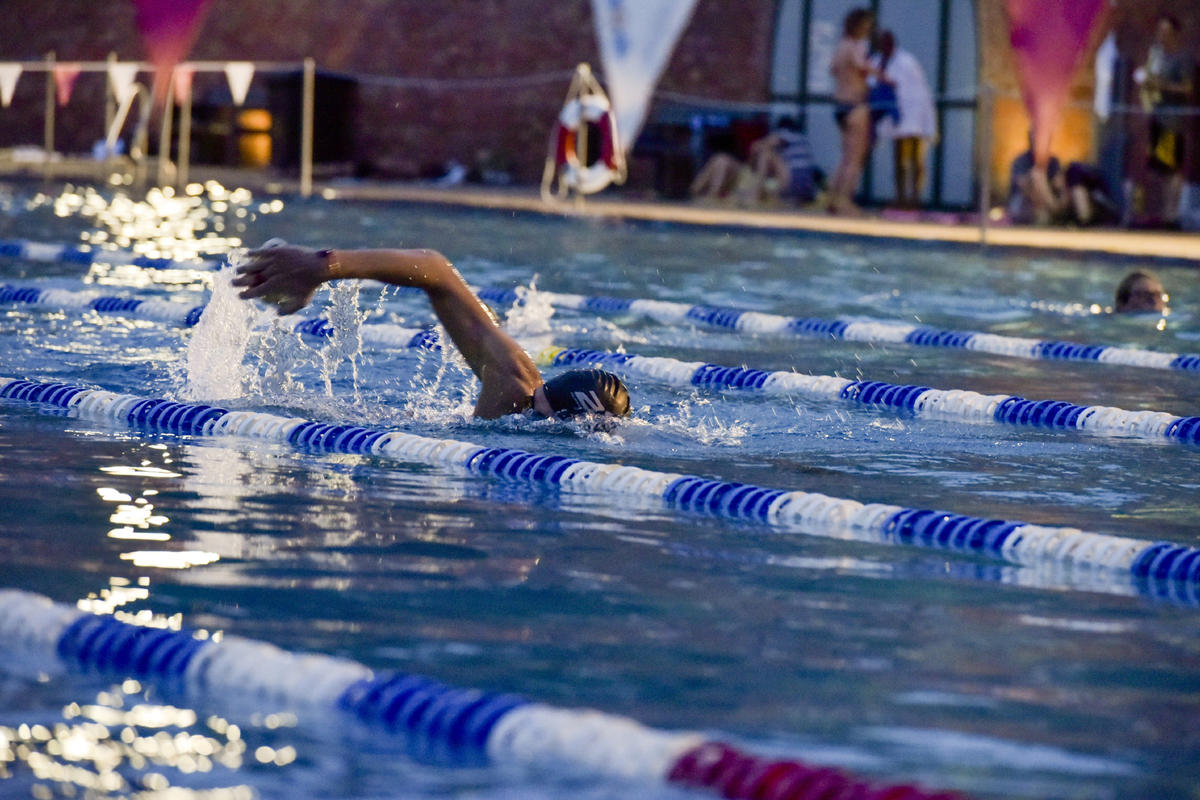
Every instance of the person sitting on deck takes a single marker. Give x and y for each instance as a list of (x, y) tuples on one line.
[(288, 276)]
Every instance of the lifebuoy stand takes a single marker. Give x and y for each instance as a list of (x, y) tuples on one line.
[(567, 164)]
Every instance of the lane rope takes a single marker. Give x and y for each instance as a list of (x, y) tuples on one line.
[(726, 318), (1173, 568), (921, 401), (440, 723), (872, 331)]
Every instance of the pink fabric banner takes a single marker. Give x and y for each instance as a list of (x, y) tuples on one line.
[(169, 29), (1048, 40), (64, 81)]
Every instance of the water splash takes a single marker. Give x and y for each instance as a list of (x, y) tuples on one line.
[(218, 343)]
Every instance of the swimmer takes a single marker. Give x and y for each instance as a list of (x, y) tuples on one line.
[(1140, 290), (288, 276)]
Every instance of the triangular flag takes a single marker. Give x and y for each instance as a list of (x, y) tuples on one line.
[(239, 74), (169, 29), (636, 38), (1048, 39), (121, 78), (183, 82), (64, 81), (8, 82)]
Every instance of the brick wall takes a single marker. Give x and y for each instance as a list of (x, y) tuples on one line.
[(724, 53)]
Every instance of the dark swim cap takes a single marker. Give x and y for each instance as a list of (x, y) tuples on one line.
[(586, 391)]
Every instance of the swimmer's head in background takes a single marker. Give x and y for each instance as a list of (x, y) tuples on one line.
[(583, 392), (1141, 290)]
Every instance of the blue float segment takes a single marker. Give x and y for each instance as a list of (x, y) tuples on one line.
[(1164, 561), (57, 394), (502, 296), (455, 721), (193, 317), (720, 498), (12, 248), (831, 328), (715, 316), (1185, 429), (949, 531), (105, 644), (317, 326), (932, 337), (182, 418), (1186, 362), (1069, 351), (582, 355), (1039, 413), (115, 305), (425, 340), (17, 294), (732, 377), (334, 438), (884, 394), (607, 304)]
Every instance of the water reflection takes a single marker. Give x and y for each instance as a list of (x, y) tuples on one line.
[(121, 742)]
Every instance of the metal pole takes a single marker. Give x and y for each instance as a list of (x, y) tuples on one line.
[(185, 138), (48, 131), (110, 100), (985, 162), (164, 133), (306, 129)]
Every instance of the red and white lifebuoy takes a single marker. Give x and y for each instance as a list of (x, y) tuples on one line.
[(576, 115)]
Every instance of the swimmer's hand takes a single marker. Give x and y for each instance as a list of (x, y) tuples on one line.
[(284, 276)]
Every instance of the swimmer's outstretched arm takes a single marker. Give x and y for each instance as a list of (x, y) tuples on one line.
[(288, 276)]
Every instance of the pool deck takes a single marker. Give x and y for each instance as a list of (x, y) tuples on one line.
[(1170, 246)]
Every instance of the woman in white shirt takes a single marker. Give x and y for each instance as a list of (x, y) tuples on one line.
[(917, 125)]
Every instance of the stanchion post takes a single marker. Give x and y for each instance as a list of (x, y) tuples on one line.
[(185, 137), (985, 161), (48, 127), (306, 128), (164, 133), (110, 100)]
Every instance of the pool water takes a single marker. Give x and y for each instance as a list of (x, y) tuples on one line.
[(897, 663)]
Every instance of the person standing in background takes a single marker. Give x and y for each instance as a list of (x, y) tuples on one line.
[(850, 68), (917, 125), (1166, 92)]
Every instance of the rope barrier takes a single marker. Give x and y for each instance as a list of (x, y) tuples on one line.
[(742, 321), (49, 252), (441, 723), (732, 319), (808, 512), (922, 401)]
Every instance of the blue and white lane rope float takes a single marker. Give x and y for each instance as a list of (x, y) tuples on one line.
[(733, 319), (187, 315), (48, 252), (809, 512), (876, 331), (922, 401), (439, 723)]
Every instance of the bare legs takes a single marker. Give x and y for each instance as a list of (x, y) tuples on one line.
[(718, 178), (856, 140), (909, 157)]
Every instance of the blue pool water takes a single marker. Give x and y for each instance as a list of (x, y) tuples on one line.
[(897, 663)]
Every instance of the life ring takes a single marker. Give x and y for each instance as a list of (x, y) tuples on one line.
[(576, 115)]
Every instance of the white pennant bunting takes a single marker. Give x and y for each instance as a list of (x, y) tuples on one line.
[(636, 38), (239, 74), (120, 79), (8, 82)]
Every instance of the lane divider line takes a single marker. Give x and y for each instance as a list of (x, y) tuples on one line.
[(1131, 560), (440, 723)]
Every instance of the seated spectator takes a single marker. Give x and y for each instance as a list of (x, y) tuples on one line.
[(718, 179), (1036, 196), (783, 165), (1140, 290), (1089, 196)]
